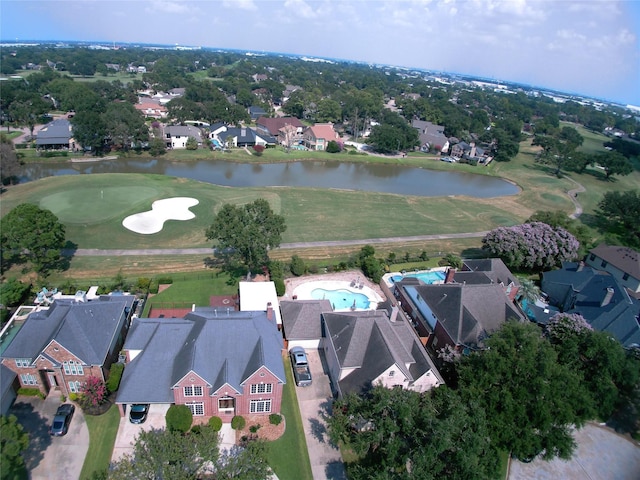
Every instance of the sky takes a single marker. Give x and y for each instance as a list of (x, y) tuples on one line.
[(587, 47)]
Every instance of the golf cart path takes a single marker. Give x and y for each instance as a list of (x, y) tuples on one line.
[(95, 252)]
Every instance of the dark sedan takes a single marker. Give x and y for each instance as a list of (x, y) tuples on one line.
[(138, 413), (62, 419)]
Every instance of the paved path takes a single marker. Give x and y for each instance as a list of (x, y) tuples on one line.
[(573, 196), (95, 252)]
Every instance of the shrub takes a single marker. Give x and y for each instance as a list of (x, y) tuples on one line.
[(93, 392), (281, 288), (238, 422), (115, 375), (143, 284), (258, 149), (63, 399), (179, 418), (215, 423), (275, 419), (196, 429), (73, 397), (165, 280), (298, 267), (333, 147), (192, 144), (313, 269), (30, 392), (254, 428)]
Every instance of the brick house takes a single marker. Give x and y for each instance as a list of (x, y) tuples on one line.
[(218, 362), (61, 345)]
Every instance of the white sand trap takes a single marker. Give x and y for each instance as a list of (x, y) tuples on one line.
[(152, 221)]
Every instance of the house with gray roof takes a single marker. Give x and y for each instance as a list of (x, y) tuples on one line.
[(245, 137), (301, 322), (431, 136), (596, 295), (60, 345), (176, 136), (375, 347), (215, 361), (621, 262), (466, 309), (57, 135)]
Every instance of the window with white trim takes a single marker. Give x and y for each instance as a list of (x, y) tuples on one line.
[(260, 406), (74, 387), (73, 368), (23, 362), (261, 388), (197, 409), (193, 391), (28, 379)]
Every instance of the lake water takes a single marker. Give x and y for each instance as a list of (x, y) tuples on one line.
[(336, 175)]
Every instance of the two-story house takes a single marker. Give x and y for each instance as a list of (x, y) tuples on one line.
[(57, 135), (621, 262), (375, 347), (60, 345), (431, 136), (217, 362), (318, 136), (176, 136)]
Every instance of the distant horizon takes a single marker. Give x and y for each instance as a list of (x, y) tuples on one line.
[(589, 49)]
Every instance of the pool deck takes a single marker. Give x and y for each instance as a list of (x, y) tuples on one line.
[(346, 276)]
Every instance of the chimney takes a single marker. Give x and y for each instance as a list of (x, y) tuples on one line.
[(449, 275), (269, 312), (394, 313), (580, 266), (607, 298)]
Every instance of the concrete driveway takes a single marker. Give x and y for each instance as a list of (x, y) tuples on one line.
[(315, 403), (51, 457), (601, 454), (127, 431)]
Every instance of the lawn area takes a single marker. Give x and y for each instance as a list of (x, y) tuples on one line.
[(102, 436), (288, 456)]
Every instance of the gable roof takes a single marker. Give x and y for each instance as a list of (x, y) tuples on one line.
[(243, 134), (273, 125), (220, 346), (323, 130), (183, 131), (301, 318), (469, 312), (58, 132), (84, 329), (623, 258), (493, 268), (370, 342)]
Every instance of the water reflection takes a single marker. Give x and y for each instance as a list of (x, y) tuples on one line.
[(340, 175)]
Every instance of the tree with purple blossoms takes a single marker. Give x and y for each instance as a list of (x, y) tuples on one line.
[(531, 246)]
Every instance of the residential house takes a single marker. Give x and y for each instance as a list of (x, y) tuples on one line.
[(256, 112), (60, 345), (176, 136), (245, 137), (151, 109), (56, 135), (259, 77), (470, 153), (431, 136), (621, 262), (375, 347), (217, 362), (273, 126), (301, 322), (318, 136), (595, 294), (8, 388), (466, 309)]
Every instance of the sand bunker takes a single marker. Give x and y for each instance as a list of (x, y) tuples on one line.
[(152, 221)]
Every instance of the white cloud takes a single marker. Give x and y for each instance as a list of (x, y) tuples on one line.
[(300, 8), (240, 4), (169, 7)]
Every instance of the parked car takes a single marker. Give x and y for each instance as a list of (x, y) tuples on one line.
[(138, 413), (300, 366), (62, 419)]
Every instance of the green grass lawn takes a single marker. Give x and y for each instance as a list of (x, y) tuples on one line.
[(288, 456), (102, 436)]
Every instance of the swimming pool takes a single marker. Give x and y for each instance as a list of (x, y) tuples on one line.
[(342, 299), (426, 277)]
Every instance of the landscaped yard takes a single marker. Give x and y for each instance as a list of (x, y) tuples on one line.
[(102, 436)]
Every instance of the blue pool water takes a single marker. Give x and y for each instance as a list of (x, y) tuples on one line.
[(341, 299), (426, 277)]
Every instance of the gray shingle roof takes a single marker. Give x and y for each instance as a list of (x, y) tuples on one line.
[(623, 258), (85, 329), (221, 347), (301, 318), (57, 132)]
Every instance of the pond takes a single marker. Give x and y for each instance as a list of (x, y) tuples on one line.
[(317, 174)]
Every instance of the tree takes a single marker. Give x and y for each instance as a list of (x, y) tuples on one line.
[(179, 418), (89, 130), (258, 149), (369, 264), (248, 462), (246, 233), (13, 441), (333, 147), (93, 393), (30, 233), (297, 266), (607, 371), (192, 143), (125, 126), (532, 401), (399, 433), (157, 147), (533, 246), (614, 163), (9, 162), (575, 227), (557, 149), (619, 213)]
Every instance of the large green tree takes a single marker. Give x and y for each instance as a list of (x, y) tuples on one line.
[(13, 441), (9, 162), (532, 401), (619, 213), (614, 163), (32, 234), (246, 233), (402, 434), (557, 149)]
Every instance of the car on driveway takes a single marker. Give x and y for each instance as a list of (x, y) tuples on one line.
[(62, 419), (300, 365), (138, 412)]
